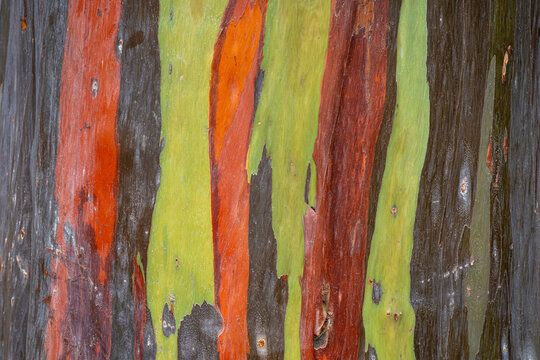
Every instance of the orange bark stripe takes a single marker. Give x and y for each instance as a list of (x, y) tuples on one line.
[(86, 183), (232, 65), (237, 57)]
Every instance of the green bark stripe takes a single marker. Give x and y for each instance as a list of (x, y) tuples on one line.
[(477, 279), (389, 325), (286, 121), (180, 254)]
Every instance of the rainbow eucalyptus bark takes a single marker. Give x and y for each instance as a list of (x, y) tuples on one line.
[(31, 55), (236, 63), (86, 184), (495, 338), (138, 128), (352, 107), (524, 178), (441, 251)]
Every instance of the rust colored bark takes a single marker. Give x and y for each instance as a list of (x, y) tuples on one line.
[(351, 112), (237, 58), (79, 325)]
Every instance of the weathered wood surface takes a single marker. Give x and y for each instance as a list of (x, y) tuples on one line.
[(269, 179)]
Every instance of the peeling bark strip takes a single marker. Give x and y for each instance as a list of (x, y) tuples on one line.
[(495, 341), (351, 112), (139, 124), (86, 184), (441, 254), (237, 58), (524, 176), (267, 294), (389, 324), (180, 257)]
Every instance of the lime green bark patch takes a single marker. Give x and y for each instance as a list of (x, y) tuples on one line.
[(477, 279), (390, 324), (286, 121), (180, 254)]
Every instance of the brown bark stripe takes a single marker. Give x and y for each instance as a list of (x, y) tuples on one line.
[(351, 112)]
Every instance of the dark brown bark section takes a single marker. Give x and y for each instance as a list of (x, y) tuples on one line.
[(351, 112), (457, 65), (524, 177), (31, 52), (267, 294), (138, 127), (496, 332), (198, 333)]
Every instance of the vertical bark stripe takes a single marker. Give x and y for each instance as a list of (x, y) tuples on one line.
[(86, 183), (496, 333), (524, 177), (351, 112), (295, 42), (237, 57), (441, 251), (138, 126), (388, 315), (267, 294), (180, 270)]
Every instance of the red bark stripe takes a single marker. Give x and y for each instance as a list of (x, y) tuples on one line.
[(237, 57), (139, 297), (86, 183), (351, 112)]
